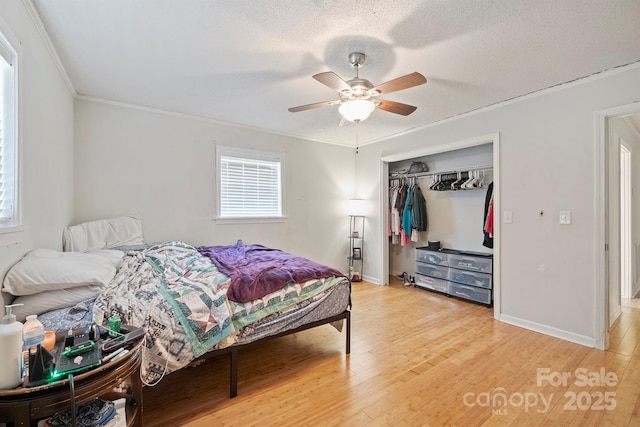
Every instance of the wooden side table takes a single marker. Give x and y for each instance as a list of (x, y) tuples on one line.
[(24, 406)]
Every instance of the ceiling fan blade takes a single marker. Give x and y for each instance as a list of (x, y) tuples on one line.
[(395, 107), (404, 82), (314, 105), (332, 80)]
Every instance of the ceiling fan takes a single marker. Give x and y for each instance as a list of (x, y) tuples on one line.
[(358, 96)]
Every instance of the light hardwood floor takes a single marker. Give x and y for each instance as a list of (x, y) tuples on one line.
[(417, 359)]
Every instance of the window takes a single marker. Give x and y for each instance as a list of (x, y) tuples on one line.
[(249, 184), (9, 212)]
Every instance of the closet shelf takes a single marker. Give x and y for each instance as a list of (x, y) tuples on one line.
[(395, 175)]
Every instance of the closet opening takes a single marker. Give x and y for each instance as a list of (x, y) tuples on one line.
[(455, 189)]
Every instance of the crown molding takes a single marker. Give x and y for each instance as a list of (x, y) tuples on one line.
[(541, 92), (203, 119)]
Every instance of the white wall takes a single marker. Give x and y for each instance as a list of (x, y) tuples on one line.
[(547, 164), (130, 160), (47, 141)]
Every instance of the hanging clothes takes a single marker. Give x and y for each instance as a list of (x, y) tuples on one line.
[(407, 213), (393, 212), (395, 199), (400, 201), (390, 203), (405, 235), (488, 218), (488, 226), (418, 213)]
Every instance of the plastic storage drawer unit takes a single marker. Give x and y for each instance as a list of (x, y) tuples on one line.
[(432, 270), (469, 278), (474, 263), (432, 283), (470, 292), (432, 257)]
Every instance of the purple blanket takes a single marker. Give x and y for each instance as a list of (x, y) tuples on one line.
[(256, 270)]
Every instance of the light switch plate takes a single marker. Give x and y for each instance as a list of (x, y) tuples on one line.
[(507, 217), (565, 217)]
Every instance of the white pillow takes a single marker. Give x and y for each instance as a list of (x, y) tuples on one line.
[(103, 234), (53, 300), (43, 270)]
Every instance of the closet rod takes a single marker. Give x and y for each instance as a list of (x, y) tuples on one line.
[(442, 172)]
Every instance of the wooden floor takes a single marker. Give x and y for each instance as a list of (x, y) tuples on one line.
[(417, 359)]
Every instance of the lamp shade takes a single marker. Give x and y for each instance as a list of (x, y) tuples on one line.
[(356, 110), (356, 207)]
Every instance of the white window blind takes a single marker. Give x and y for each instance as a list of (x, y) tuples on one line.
[(250, 185), (8, 143)]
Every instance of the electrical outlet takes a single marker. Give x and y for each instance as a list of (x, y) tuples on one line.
[(565, 217)]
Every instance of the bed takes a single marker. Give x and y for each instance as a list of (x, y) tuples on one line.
[(194, 302)]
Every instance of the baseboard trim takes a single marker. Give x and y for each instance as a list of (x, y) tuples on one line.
[(549, 330), (614, 316), (371, 279), (395, 273)]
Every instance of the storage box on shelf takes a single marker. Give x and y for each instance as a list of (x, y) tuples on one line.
[(432, 283), (470, 292), (432, 270), (470, 261), (461, 274)]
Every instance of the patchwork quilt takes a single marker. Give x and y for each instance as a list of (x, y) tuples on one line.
[(180, 298)]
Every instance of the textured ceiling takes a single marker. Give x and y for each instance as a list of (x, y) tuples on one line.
[(246, 61)]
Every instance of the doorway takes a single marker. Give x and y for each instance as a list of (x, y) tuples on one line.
[(616, 236), (626, 236)]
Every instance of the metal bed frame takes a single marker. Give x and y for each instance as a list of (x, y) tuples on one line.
[(235, 349)]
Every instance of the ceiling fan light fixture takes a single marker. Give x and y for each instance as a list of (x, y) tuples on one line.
[(357, 96), (357, 110)]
